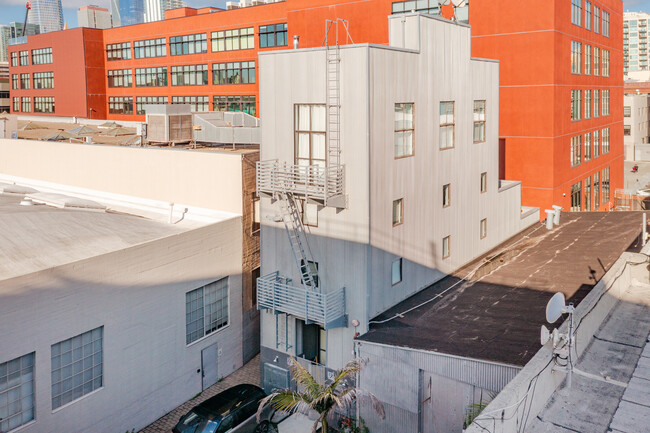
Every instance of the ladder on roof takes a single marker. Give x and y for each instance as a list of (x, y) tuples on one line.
[(292, 220)]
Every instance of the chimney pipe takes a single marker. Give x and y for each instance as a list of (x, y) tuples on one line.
[(295, 42)]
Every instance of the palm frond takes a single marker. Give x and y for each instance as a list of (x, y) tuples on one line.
[(349, 395), (286, 401), (350, 368), (314, 427), (305, 379)]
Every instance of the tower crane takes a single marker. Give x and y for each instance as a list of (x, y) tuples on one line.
[(28, 6)]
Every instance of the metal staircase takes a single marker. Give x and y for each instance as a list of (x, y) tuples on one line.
[(298, 239)]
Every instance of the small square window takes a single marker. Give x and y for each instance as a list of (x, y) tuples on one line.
[(446, 195), (396, 271), (483, 228), (483, 182), (445, 246), (398, 211)]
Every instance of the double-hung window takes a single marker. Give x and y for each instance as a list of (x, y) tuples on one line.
[(479, 121), (576, 150), (310, 130), (587, 59), (576, 12), (576, 57), (404, 130), (447, 124), (576, 104), (587, 103)]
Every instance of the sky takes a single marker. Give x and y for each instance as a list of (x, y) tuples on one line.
[(14, 10)]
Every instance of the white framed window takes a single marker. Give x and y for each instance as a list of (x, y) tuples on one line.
[(398, 212), (446, 195), (396, 271), (404, 130), (446, 247), (483, 228), (16, 392), (309, 128), (446, 124), (77, 366), (483, 182), (479, 121), (206, 310)]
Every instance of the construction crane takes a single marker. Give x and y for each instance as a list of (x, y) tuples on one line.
[(28, 6)]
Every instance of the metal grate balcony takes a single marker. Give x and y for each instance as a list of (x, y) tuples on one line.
[(323, 185), (326, 309)]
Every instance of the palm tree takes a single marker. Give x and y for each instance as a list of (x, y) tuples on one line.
[(323, 399)]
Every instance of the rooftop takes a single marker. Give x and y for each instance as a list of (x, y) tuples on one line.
[(493, 308)]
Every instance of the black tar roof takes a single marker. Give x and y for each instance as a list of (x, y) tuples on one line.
[(497, 317)]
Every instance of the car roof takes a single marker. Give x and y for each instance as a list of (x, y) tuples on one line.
[(231, 398)]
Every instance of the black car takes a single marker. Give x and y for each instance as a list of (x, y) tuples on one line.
[(231, 411)]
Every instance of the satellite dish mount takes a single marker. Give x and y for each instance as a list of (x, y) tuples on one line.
[(555, 308)]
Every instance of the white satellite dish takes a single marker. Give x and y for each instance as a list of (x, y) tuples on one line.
[(555, 308), (544, 335)]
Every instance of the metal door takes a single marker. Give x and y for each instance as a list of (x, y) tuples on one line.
[(209, 371)]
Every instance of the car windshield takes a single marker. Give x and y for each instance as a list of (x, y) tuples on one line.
[(197, 422)]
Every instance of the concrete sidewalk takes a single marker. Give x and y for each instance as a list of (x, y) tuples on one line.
[(249, 373)]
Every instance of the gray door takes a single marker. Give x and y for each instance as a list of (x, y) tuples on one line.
[(209, 366)]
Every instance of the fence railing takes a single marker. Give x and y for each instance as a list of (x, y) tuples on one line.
[(310, 181), (326, 309)]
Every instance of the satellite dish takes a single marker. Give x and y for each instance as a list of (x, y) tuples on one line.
[(555, 308), (544, 335)]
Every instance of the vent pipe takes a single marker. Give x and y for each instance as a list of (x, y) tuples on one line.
[(556, 216), (296, 42), (549, 218)]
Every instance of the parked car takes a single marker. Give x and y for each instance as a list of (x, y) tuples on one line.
[(231, 411)]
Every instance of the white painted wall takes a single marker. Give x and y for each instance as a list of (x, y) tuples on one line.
[(138, 295), (639, 123)]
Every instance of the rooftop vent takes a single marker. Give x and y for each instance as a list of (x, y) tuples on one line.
[(9, 188), (64, 201)]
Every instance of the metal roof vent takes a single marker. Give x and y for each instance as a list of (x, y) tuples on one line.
[(26, 202)]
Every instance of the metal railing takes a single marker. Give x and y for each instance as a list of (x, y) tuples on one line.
[(307, 181), (326, 309)]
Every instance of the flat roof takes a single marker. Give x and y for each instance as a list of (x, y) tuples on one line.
[(496, 315), (39, 237)]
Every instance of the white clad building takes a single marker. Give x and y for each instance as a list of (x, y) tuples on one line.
[(392, 151), (636, 124)]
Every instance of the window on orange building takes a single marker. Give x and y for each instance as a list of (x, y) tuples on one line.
[(189, 75), (43, 80), (576, 57), (25, 104), (596, 19), (24, 81), (16, 104), (596, 144), (587, 103), (14, 59), (576, 197), (605, 185), (198, 103), (151, 77), (243, 103), (587, 59), (596, 103), (274, 35), (120, 105), (587, 146), (24, 58), (42, 56), (587, 194), (231, 40), (605, 107), (120, 78), (44, 104), (120, 51), (141, 101), (576, 150), (576, 12), (188, 44), (233, 73), (576, 104), (605, 23), (587, 15), (605, 141)]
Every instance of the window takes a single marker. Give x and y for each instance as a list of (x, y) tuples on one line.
[(77, 367), (274, 35), (446, 195), (587, 59), (120, 78), (309, 138), (309, 213), (118, 51), (398, 212), (605, 105), (120, 105), (576, 149), (206, 310), (596, 103), (596, 144), (576, 197), (14, 59), (16, 392), (596, 190), (311, 343), (605, 23), (404, 130), (576, 104), (24, 81), (255, 228), (150, 48), (588, 146), (14, 81), (141, 101), (479, 121), (483, 182), (188, 44), (396, 271), (587, 15), (627, 111), (587, 104), (627, 130), (198, 103), (42, 56), (230, 40), (576, 57), (596, 61), (483, 228), (189, 75), (233, 73), (605, 72), (605, 141), (151, 77), (596, 19), (605, 185), (25, 104), (588, 194), (446, 124), (16, 101), (43, 80), (446, 247), (44, 104), (576, 12), (244, 103), (24, 58)]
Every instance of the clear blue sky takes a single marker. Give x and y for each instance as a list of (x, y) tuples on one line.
[(14, 10)]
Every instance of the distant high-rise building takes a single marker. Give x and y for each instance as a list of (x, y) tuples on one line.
[(635, 41), (115, 13), (155, 9), (94, 17), (129, 12), (48, 14), (14, 30)]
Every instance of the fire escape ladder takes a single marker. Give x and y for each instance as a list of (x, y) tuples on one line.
[(298, 239), (333, 105)]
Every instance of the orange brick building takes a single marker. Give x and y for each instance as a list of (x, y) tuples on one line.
[(561, 76)]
